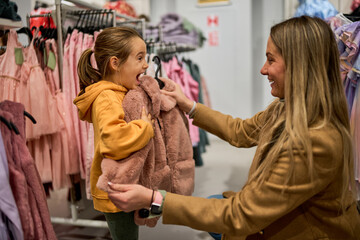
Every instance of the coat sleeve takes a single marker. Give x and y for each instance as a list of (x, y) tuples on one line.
[(257, 206), (118, 139), (236, 131)]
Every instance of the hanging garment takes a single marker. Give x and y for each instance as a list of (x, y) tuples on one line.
[(34, 192), (17, 182), (42, 103), (166, 161), (46, 22), (194, 70), (13, 86), (315, 8), (337, 21), (8, 206), (178, 29), (70, 86), (83, 126), (189, 86), (348, 41), (74, 46), (121, 7), (62, 146)]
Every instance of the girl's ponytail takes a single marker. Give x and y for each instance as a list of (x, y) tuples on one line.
[(87, 74)]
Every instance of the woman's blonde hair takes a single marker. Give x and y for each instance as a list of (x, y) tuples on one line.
[(113, 41), (313, 93)]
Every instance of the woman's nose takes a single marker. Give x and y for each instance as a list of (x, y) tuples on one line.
[(263, 70)]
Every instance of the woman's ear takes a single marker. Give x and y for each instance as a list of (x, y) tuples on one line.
[(114, 63)]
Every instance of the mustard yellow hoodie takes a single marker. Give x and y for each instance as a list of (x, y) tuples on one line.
[(101, 104)]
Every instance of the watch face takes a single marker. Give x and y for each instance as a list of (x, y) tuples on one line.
[(144, 213), (155, 209)]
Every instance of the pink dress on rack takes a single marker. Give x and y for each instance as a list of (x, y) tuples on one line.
[(42, 105), (12, 85), (71, 167), (82, 43), (60, 153), (72, 91)]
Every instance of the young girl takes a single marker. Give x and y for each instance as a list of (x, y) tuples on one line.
[(120, 57)]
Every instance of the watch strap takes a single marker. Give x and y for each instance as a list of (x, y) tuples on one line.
[(162, 197), (158, 198)]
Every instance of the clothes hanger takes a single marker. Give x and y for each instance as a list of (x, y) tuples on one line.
[(16, 130), (91, 25), (157, 60), (7, 123), (352, 17), (26, 31), (10, 125), (30, 117), (101, 20)]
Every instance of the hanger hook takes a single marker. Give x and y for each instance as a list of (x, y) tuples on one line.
[(157, 60)]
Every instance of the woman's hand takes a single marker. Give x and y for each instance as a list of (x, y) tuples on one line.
[(184, 103), (130, 197), (146, 117)]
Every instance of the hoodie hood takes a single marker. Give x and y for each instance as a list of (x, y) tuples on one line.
[(84, 101)]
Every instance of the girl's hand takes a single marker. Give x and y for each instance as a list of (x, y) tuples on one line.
[(147, 117), (184, 103), (130, 197)]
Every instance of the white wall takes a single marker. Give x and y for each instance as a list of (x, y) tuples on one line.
[(265, 14)]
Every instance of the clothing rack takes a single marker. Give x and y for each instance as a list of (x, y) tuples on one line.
[(162, 48)]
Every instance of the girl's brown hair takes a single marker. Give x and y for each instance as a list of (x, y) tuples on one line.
[(114, 41)]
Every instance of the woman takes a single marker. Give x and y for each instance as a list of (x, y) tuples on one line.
[(298, 185)]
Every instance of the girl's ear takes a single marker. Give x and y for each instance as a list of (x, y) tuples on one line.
[(114, 63)]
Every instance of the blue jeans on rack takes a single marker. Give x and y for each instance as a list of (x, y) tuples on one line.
[(216, 236)]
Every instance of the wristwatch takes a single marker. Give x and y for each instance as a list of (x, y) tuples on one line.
[(155, 206)]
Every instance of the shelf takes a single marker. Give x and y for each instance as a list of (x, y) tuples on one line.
[(7, 24)]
